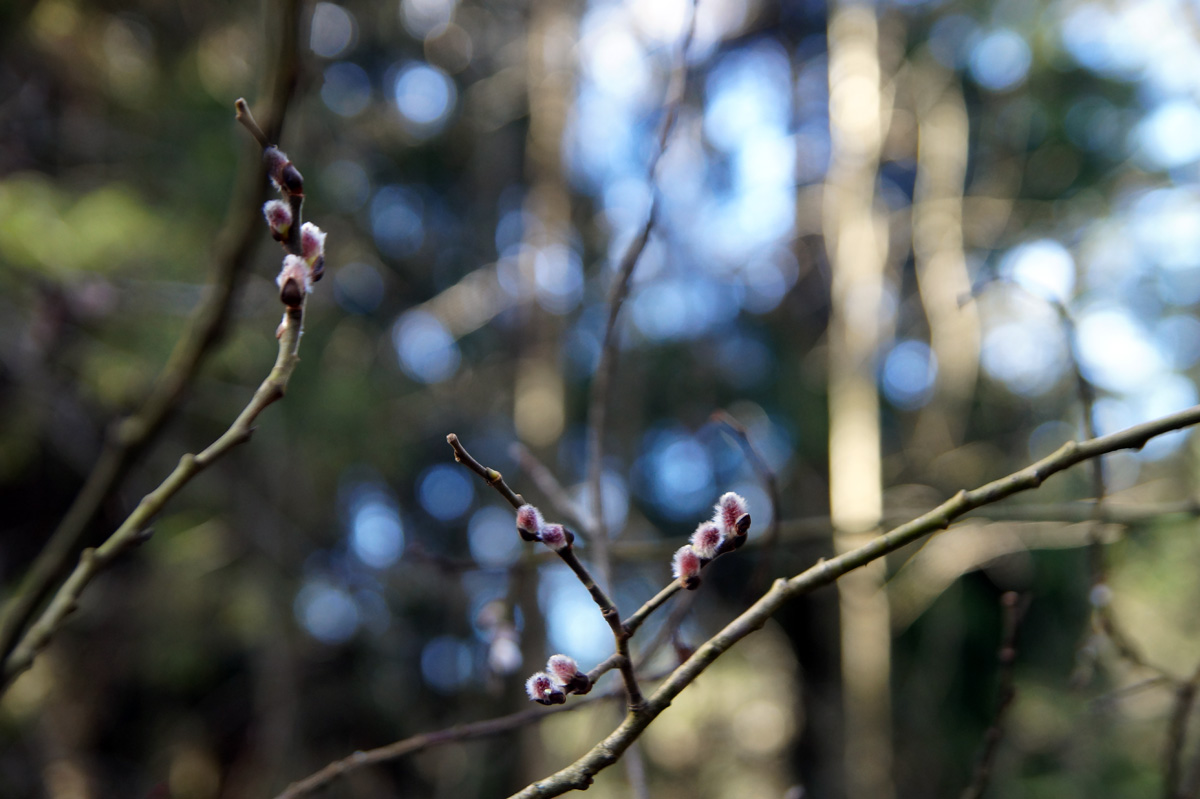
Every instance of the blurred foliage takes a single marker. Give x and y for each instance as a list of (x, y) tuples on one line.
[(320, 590)]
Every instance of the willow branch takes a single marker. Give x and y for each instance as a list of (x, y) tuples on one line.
[(133, 530), (767, 475), (129, 439), (599, 394), (417, 743), (459, 732), (1185, 700), (548, 484), (607, 608), (1005, 694), (654, 603), (579, 774), (490, 476)]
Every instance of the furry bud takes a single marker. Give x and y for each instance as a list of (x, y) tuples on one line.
[(706, 541), (279, 217), (566, 673), (529, 522), (283, 173), (543, 690), (312, 246), (686, 567), (557, 537), (294, 281), (733, 515)]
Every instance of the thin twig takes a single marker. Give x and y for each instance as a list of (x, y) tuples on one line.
[(635, 770), (599, 395), (1185, 700), (607, 608), (1005, 694), (665, 633), (133, 530), (128, 440), (767, 475), (1103, 619), (579, 774), (417, 743), (548, 484), (1128, 690), (654, 603), (490, 476)]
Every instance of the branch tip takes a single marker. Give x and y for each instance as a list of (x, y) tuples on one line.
[(244, 116)]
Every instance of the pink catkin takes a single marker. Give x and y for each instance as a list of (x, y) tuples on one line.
[(730, 507), (556, 537), (562, 668), (686, 566), (529, 520), (542, 689), (294, 281), (707, 540), (279, 217), (312, 242)]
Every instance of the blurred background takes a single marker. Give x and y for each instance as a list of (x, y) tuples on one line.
[(891, 240)]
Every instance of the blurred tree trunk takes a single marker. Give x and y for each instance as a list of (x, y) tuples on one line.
[(942, 277), (539, 393), (856, 239)]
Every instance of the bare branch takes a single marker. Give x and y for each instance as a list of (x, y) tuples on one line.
[(417, 743), (567, 553), (128, 440), (548, 484), (490, 476), (1185, 700), (599, 394), (133, 530), (579, 774), (767, 475), (1005, 693)]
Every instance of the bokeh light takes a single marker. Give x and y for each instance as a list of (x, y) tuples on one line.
[(334, 30), (358, 287), (326, 612), (1000, 60), (427, 352), (447, 664), (492, 536), (909, 374), (1043, 267), (347, 89), (445, 491), (425, 97)]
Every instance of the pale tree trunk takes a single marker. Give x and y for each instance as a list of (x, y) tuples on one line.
[(539, 411), (856, 239), (538, 408), (942, 277)]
